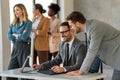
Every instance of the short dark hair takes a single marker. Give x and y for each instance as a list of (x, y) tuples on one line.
[(76, 16), (40, 8), (65, 24), (54, 7)]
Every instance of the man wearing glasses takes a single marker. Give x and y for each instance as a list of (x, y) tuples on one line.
[(71, 56)]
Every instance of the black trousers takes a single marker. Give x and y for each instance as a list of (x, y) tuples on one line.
[(42, 56), (19, 53), (95, 65), (50, 55)]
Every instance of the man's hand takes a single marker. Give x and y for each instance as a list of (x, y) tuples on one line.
[(74, 73), (57, 69), (36, 67)]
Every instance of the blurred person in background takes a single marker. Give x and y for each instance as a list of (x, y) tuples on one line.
[(40, 29), (54, 37)]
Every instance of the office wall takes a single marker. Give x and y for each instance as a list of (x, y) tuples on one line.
[(66, 8), (105, 10)]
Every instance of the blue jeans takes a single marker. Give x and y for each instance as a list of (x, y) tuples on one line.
[(95, 65)]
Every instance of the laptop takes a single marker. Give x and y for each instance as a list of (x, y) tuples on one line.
[(48, 71)]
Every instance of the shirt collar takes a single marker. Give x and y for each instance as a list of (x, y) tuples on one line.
[(70, 42)]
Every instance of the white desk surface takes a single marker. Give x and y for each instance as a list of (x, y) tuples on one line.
[(40, 76)]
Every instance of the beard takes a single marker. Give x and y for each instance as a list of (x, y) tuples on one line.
[(78, 30)]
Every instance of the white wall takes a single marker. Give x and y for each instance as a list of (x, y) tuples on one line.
[(104, 10), (66, 8), (4, 43)]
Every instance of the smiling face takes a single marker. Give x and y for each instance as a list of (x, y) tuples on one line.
[(65, 33), (75, 26)]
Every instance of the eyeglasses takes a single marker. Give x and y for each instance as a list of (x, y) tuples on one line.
[(62, 32)]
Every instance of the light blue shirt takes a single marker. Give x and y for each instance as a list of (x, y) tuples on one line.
[(34, 26), (70, 44)]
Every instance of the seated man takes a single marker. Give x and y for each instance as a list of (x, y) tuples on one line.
[(71, 57)]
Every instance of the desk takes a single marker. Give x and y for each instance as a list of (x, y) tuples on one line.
[(40, 76)]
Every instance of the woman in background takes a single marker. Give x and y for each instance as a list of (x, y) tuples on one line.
[(54, 37), (40, 28), (19, 34)]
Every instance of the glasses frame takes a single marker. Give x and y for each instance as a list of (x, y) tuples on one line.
[(62, 32)]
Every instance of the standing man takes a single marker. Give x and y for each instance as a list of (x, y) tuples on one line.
[(70, 56), (104, 42)]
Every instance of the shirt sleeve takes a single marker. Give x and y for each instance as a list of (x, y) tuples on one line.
[(10, 32), (26, 33), (96, 37)]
